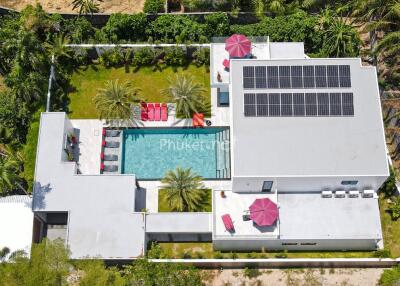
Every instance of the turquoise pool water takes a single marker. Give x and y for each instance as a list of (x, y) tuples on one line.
[(150, 153)]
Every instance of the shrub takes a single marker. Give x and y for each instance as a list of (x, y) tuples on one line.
[(233, 255), (283, 254), (251, 272), (389, 187), (198, 5), (199, 255), (125, 27), (382, 253), (175, 28), (175, 56), (217, 25), (390, 277), (153, 6), (218, 255), (187, 255), (201, 57), (394, 208), (143, 56), (112, 58), (79, 30)]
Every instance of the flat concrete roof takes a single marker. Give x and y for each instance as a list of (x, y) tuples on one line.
[(102, 221), (309, 146), (16, 223), (309, 216), (179, 222), (235, 204)]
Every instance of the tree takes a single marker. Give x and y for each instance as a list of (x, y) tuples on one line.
[(153, 6), (115, 101), (58, 48), (217, 25), (388, 49), (126, 27), (96, 274), (86, 6), (340, 38), (187, 95), (394, 208), (183, 190)]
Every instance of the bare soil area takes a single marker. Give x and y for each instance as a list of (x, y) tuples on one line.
[(64, 6), (295, 277)]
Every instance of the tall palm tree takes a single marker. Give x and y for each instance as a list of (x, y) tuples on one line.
[(186, 93), (86, 6), (115, 101), (58, 48), (183, 190)]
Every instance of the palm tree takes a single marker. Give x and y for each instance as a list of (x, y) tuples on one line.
[(86, 6), (115, 101), (187, 95), (58, 48), (389, 50), (183, 190)]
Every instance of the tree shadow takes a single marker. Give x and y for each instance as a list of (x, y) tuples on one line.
[(39, 194)]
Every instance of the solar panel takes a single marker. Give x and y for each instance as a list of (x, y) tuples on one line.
[(272, 77), (344, 76), (333, 76), (335, 104), (274, 104), (262, 104), (323, 104), (298, 104), (261, 77), (249, 104), (320, 76), (347, 104), (248, 77), (297, 76), (311, 104), (308, 76), (250, 110), (286, 104), (249, 98), (284, 77)]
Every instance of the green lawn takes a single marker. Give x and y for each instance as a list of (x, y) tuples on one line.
[(390, 229), (86, 81), (205, 250), (164, 207)]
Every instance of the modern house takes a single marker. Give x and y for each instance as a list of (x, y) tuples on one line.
[(306, 134)]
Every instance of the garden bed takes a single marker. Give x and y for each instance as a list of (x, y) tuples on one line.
[(163, 205), (86, 81)]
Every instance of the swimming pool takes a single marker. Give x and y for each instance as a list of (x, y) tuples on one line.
[(150, 152)]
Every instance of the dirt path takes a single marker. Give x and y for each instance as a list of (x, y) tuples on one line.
[(107, 6), (295, 277)]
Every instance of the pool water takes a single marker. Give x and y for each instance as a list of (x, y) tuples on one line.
[(150, 153)]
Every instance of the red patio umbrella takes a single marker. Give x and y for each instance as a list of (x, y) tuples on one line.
[(263, 212), (238, 45)]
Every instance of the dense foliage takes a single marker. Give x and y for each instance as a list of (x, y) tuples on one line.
[(125, 27), (153, 6), (50, 265), (390, 277)]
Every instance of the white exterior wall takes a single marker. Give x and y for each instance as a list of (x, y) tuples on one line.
[(276, 244), (308, 184)]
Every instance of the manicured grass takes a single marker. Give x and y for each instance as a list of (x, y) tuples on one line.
[(29, 150), (390, 229), (85, 83), (205, 250), (163, 205)]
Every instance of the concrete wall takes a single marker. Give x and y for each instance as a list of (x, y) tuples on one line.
[(321, 244), (306, 184)]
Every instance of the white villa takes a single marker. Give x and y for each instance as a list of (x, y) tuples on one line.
[(305, 133)]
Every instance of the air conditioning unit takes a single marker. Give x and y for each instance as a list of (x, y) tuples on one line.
[(340, 194), (327, 194), (354, 194), (368, 194)]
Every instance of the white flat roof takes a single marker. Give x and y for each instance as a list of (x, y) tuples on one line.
[(309, 146), (309, 216), (16, 223), (235, 204), (179, 222), (102, 221)]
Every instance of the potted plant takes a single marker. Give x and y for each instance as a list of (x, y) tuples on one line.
[(72, 138), (219, 78), (223, 194)]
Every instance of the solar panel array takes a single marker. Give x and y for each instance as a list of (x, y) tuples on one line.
[(279, 77), (298, 104)]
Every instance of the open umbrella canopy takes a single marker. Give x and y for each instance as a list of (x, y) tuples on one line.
[(263, 212), (238, 45)]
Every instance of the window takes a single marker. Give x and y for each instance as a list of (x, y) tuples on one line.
[(289, 243), (352, 183), (308, 243), (223, 98), (267, 186)]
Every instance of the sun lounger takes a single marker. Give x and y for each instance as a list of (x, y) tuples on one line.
[(164, 112), (110, 168), (144, 112), (111, 144), (227, 220), (150, 113), (157, 112), (113, 133), (198, 120)]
